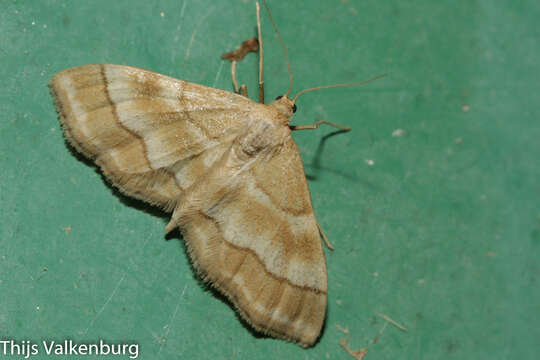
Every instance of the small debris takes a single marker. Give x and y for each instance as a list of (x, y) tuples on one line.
[(421, 281), (357, 354), (67, 230), (396, 324), (339, 302), (398, 132), (376, 339), (465, 108), (370, 162), (343, 330), (458, 140), (375, 274), (491, 254), (162, 14), (43, 273)]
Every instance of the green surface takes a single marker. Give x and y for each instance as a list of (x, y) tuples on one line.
[(441, 233)]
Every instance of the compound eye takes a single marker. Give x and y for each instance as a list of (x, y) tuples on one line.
[(279, 97), (294, 108)]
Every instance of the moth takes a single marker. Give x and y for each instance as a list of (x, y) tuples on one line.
[(228, 170)]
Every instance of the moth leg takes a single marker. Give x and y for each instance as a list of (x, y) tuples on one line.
[(317, 124), (233, 74), (243, 90), (324, 237), (259, 35)]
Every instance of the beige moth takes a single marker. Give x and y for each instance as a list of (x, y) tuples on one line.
[(228, 170)]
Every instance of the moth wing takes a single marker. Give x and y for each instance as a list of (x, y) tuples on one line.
[(151, 135), (260, 246)]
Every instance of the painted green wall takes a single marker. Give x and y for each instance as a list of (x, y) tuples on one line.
[(441, 233)]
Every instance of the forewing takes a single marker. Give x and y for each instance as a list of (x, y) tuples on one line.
[(152, 135), (260, 246)]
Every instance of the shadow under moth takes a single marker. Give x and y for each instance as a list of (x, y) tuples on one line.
[(228, 170)]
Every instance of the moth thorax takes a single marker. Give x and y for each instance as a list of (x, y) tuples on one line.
[(261, 136)]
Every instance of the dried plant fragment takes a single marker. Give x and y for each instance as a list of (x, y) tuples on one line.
[(250, 45)]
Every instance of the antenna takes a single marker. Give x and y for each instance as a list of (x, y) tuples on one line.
[(283, 46), (337, 85), (302, 92)]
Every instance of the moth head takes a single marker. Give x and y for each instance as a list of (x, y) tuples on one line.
[(284, 106)]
